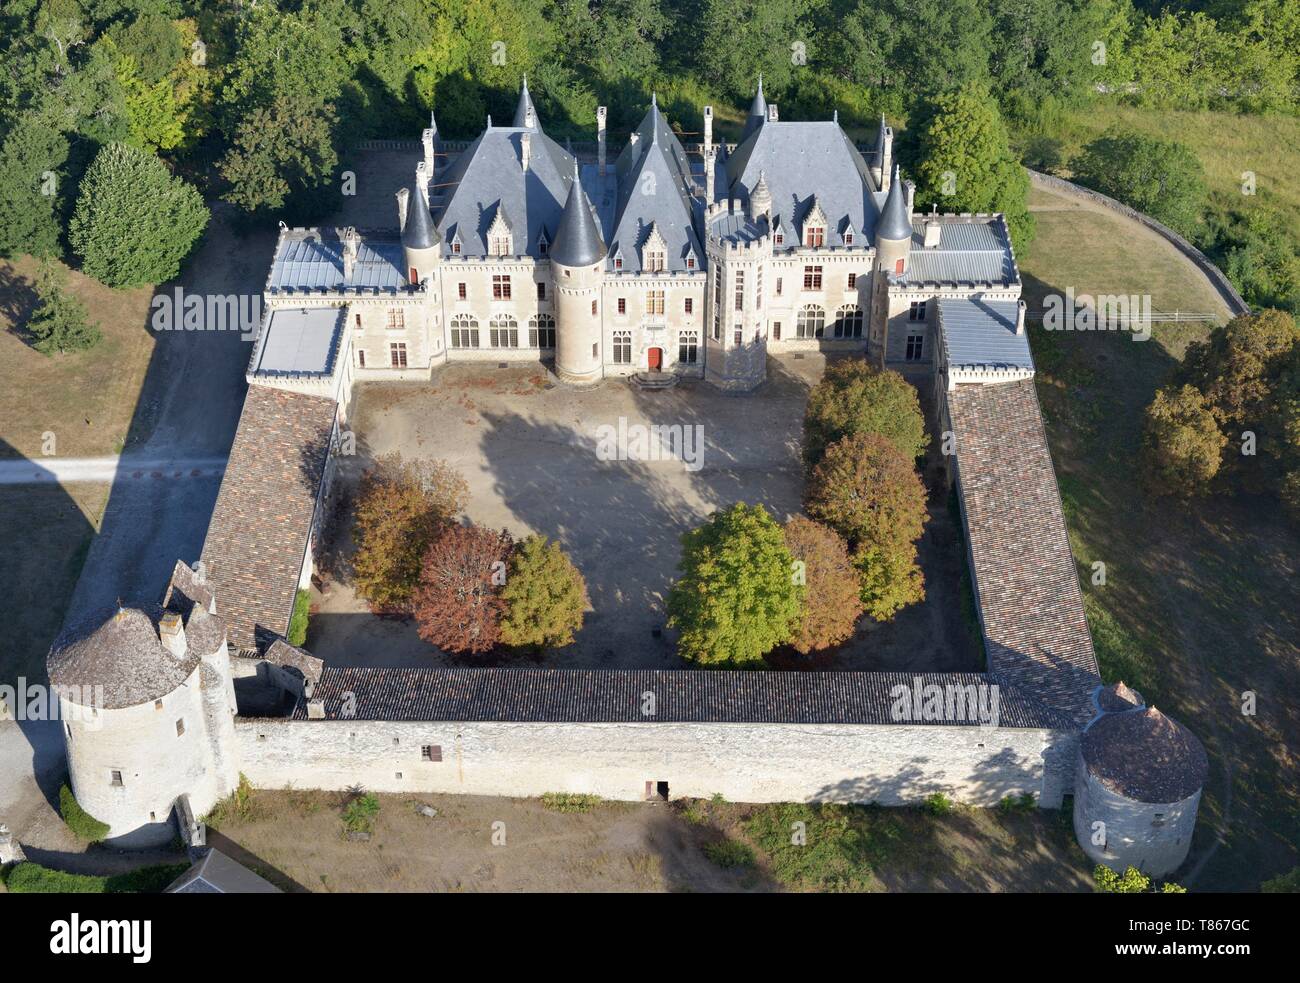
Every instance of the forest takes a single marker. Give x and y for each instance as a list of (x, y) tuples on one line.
[(254, 102)]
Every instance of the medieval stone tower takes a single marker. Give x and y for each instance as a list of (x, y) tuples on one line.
[(1138, 785), (739, 248), (147, 704), (578, 259)]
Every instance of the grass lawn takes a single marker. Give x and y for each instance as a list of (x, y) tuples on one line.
[(1226, 143), (1201, 604), (45, 531), (85, 399)]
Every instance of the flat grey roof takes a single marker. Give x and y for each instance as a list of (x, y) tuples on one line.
[(301, 340), (983, 333)]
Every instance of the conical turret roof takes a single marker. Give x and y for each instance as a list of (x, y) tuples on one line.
[(419, 231), (577, 240), (895, 221), (757, 112), (1143, 755), (523, 108)]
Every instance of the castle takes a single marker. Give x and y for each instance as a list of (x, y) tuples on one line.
[(650, 268)]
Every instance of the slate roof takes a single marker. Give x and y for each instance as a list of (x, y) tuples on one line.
[(609, 695), (970, 251), (895, 219), (257, 537), (577, 239), (523, 106), (800, 160), (312, 259), (1031, 607), (119, 650), (982, 334), (299, 341), (1143, 755), (418, 232), (490, 175), (757, 112), (216, 873), (654, 189)]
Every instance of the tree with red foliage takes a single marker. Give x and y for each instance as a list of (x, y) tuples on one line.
[(458, 605)]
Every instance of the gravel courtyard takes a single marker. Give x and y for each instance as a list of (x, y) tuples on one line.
[(528, 449)]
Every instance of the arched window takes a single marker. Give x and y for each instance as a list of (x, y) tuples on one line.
[(848, 322), (464, 331), (811, 322), (503, 331), (541, 331)]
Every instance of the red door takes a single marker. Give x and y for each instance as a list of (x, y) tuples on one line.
[(656, 359)]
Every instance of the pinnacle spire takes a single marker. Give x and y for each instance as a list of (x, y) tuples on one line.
[(895, 220), (577, 239), (525, 111)]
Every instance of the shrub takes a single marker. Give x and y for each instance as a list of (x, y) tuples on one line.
[(134, 222), (937, 804), (1024, 802), (458, 605), (839, 847), (239, 804), (298, 620), (82, 823), (1288, 883), (30, 878), (402, 507), (831, 605), (1183, 443), (1132, 881), (736, 598), (359, 813), (569, 801), (544, 596), (854, 397), (729, 853)]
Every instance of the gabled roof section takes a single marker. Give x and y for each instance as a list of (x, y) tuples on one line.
[(489, 176), (1026, 585), (654, 190), (972, 251), (216, 873), (577, 240), (981, 335), (799, 160)]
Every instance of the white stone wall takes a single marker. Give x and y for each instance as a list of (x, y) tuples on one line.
[(1154, 838), (744, 762)]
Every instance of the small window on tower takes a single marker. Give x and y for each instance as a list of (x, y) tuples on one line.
[(115, 778), (180, 727)]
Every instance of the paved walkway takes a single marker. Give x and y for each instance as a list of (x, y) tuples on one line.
[(106, 470)]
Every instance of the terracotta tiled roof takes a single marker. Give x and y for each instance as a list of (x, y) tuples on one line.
[(1145, 756), (617, 695), (262, 520), (1030, 604)]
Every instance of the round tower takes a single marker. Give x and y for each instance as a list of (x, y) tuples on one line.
[(1138, 784), (577, 261), (894, 230), (421, 247), (147, 705)]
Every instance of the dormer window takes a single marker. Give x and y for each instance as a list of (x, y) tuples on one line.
[(814, 236), (655, 261), (455, 244), (779, 238), (654, 254), (543, 244), (690, 261), (848, 237), (501, 240), (501, 246), (618, 261)]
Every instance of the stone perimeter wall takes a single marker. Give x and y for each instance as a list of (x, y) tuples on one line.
[(890, 764), (1236, 304)]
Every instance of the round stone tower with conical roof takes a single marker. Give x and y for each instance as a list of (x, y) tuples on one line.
[(1138, 784), (421, 246), (578, 259), (147, 707), (894, 230)]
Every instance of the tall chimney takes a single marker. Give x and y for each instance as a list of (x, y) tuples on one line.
[(911, 195), (601, 114), (772, 115), (709, 154), (525, 149), (402, 196), (1020, 318), (422, 179), (350, 242), (171, 632), (708, 130), (887, 160)]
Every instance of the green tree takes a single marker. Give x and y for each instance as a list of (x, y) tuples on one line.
[(544, 594), (966, 164), (402, 506), (1132, 881), (855, 397), (889, 579), (58, 322), (746, 38), (1240, 366), (737, 596), (868, 491), (1160, 178), (134, 223), (282, 158), (32, 156), (1182, 443), (831, 606)]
